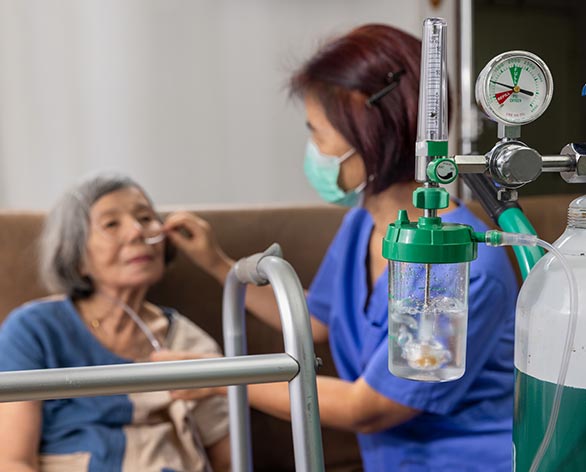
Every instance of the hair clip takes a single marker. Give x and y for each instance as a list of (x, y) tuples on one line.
[(393, 80)]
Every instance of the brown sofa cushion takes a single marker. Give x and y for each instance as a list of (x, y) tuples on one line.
[(304, 234)]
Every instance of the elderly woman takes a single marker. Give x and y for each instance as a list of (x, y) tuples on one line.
[(103, 247)]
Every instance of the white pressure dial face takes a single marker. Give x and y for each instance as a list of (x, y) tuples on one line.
[(514, 88)]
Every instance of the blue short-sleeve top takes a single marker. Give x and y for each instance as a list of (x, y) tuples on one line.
[(145, 431), (465, 424)]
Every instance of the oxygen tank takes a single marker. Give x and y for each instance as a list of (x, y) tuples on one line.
[(541, 326)]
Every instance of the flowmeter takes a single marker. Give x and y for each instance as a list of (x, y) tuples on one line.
[(428, 259)]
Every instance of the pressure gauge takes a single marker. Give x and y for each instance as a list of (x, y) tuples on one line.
[(514, 88)]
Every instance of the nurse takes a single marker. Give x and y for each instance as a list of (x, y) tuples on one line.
[(361, 96)]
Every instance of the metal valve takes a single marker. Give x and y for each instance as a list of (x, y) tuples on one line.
[(512, 164), (577, 151)]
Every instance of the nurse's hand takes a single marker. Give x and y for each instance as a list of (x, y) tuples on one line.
[(189, 394), (194, 236)]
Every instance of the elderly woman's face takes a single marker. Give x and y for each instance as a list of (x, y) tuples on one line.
[(117, 255)]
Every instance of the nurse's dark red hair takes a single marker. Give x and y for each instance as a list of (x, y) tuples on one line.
[(344, 73)]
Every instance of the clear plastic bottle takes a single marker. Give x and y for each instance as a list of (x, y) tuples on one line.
[(428, 316), (541, 325)]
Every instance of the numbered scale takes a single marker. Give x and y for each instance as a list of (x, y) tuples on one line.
[(514, 88)]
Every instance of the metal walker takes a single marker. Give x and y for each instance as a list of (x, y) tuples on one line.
[(297, 365)]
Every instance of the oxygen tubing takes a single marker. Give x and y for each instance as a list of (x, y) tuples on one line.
[(507, 215), (137, 319), (513, 220)]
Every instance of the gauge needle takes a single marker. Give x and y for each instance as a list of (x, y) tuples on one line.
[(526, 92)]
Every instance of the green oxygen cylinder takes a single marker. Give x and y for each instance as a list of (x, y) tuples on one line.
[(540, 332)]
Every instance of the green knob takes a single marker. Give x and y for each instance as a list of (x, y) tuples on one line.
[(431, 198), (442, 171)]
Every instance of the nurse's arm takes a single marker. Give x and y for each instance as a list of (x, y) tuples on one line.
[(350, 406), (194, 237), (261, 302), (20, 432)]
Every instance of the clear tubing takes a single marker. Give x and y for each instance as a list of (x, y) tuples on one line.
[(513, 220), (433, 103), (155, 239), (156, 347), (427, 316), (141, 324), (517, 239), (570, 334), (155, 229)]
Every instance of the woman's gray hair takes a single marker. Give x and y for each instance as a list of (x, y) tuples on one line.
[(66, 230)]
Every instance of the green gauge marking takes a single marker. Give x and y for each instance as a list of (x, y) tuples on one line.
[(515, 74)]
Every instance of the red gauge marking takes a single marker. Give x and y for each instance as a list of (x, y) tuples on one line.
[(501, 97)]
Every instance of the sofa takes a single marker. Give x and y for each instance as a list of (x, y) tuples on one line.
[(304, 233)]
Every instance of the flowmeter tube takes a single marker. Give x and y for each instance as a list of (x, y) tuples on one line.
[(432, 98), (432, 127)]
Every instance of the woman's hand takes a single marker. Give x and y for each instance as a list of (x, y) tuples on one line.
[(194, 237), (189, 394)]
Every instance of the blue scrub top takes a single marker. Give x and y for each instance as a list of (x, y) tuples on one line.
[(465, 425)]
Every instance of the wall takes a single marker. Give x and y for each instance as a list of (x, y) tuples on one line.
[(552, 29), (187, 96)]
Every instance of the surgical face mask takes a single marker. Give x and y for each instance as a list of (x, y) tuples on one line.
[(322, 171)]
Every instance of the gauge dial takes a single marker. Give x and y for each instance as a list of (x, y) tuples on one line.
[(514, 88)]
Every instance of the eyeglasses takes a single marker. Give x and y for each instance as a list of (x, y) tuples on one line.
[(120, 228)]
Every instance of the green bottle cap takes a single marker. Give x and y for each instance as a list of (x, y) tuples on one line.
[(429, 241)]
